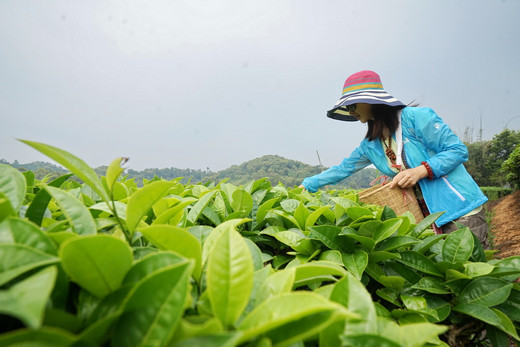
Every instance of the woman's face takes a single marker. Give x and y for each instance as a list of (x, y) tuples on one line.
[(363, 112)]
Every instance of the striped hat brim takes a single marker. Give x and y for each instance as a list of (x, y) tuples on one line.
[(375, 96)]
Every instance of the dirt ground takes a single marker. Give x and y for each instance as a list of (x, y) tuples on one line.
[(505, 225)]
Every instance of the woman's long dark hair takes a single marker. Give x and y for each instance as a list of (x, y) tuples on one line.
[(385, 116)]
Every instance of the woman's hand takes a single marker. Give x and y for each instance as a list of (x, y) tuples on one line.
[(409, 177)]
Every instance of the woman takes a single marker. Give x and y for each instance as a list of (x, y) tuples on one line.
[(415, 147)]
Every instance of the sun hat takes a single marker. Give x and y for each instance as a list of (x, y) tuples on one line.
[(361, 87)]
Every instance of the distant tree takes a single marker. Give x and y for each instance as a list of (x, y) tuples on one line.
[(486, 157), (501, 147), (511, 168), (476, 163)]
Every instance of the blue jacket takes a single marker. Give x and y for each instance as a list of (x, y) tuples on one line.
[(425, 138)]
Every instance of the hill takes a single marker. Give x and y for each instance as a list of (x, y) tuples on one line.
[(276, 168), (288, 172)]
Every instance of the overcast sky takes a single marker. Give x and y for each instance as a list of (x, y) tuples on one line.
[(210, 84)]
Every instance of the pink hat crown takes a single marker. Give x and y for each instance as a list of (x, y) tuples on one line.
[(363, 80)]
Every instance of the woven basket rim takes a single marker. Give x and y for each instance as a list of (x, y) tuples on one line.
[(398, 199)]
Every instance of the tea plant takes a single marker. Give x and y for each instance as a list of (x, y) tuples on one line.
[(169, 264)]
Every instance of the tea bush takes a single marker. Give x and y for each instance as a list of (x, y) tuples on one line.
[(216, 264)]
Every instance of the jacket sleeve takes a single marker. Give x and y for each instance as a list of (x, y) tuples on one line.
[(348, 166), (445, 149)]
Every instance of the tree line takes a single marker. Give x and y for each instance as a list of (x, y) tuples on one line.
[(276, 168)]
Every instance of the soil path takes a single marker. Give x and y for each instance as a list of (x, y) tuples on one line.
[(505, 225)]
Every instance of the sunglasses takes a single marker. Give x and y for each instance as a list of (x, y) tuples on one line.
[(350, 108)]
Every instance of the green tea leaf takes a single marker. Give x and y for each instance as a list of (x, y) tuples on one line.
[(12, 185), (431, 285), (18, 259), (366, 241), (328, 235), (355, 262), (387, 229), (263, 209), (142, 201), (505, 324), (174, 214), (317, 271), (331, 256), (358, 212), (295, 240), (368, 228), (314, 216), (77, 214), (508, 268), (477, 269), (419, 262), (38, 206), (390, 295), (242, 201), (114, 170), (193, 326), (297, 314), (425, 223), (278, 283), (301, 214), (154, 308), (223, 339), (478, 311), (458, 246), (229, 276), (406, 272), (209, 241), (74, 164), (27, 299), (425, 244), (151, 263), (97, 263), (95, 334), (353, 295), (490, 316), (179, 240), (380, 256), (418, 304), (24, 232), (395, 242), (6, 209), (486, 291), (368, 340), (256, 254), (45, 336), (394, 282), (287, 217), (199, 206), (120, 208), (415, 334), (290, 205)]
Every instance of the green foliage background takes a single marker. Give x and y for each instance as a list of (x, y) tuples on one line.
[(486, 158)]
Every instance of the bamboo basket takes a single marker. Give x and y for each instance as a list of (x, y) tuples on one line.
[(394, 198)]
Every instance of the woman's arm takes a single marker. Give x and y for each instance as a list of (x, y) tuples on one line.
[(333, 175)]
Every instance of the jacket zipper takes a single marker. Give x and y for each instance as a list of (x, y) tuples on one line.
[(453, 188)]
